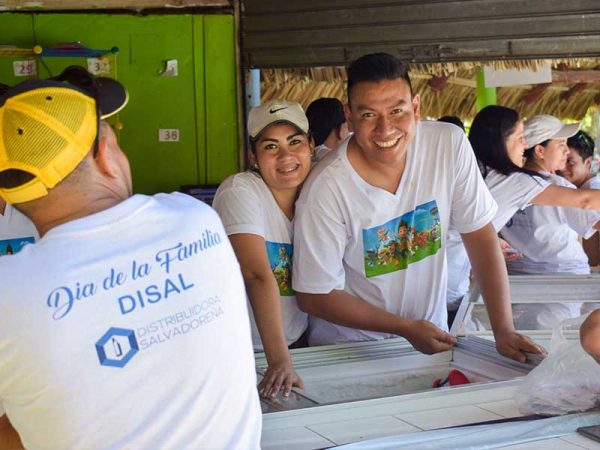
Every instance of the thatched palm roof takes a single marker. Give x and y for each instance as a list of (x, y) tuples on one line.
[(449, 89)]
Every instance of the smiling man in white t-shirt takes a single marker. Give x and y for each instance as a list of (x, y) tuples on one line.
[(371, 223)]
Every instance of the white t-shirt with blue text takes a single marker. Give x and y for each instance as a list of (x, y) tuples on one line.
[(128, 329)]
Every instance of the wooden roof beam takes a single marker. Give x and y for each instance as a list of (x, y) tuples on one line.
[(535, 93), (438, 83), (575, 76), (573, 91)]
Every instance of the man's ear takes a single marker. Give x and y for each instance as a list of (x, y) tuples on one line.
[(104, 157), (588, 162), (416, 104)]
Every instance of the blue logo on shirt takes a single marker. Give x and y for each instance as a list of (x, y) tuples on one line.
[(117, 347)]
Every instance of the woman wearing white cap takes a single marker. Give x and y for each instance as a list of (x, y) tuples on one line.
[(497, 138), (548, 235), (257, 209)]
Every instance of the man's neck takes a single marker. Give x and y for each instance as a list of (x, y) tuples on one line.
[(50, 212), (382, 176), (332, 141)]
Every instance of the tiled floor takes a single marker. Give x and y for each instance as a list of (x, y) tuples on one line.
[(293, 438), (357, 430), (448, 417), (342, 424)]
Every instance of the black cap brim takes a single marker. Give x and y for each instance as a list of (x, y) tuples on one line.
[(110, 95)]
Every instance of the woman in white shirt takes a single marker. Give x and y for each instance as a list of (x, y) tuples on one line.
[(548, 235), (496, 136), (257, 209)]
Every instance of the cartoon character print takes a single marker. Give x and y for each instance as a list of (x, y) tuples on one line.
[(402, 241), (12, 246), (280, 260)]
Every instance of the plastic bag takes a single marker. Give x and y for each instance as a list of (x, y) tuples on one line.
[(567, 380)]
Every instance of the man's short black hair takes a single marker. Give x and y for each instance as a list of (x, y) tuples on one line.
[(582, 143), (324, 115), (376, 67)]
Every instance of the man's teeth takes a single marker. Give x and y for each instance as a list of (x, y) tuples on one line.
[(386, 144)]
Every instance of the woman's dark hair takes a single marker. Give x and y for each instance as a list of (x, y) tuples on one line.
[(583, 144), (489, 131), (376, 67)]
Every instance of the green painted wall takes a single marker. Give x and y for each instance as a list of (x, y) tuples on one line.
[(200, 101), (485, 96)]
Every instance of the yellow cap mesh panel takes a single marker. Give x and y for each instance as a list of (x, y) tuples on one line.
[(66, 105), (47, 132)]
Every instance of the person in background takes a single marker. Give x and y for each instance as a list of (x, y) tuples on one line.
[(454, 120), (577, 171), (125, 324), (497, 137), (579, 162), (371, 223), (328, 125), (257, 208), (16, 229), (589, 335), (548, 236)]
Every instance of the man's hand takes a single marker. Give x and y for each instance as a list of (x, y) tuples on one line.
[(427, 338), (514, 345), (509, 253), (589, 335), (277, 375)]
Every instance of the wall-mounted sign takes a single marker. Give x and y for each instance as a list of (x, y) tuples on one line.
[(515, 77), (25, 68), (168, 135), (97, 66)]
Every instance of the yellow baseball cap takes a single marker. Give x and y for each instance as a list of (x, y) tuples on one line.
[(48, 126)]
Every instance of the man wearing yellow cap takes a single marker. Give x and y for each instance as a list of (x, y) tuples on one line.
[(125, 325)]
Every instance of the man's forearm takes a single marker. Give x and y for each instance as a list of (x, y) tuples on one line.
[(9, 438), (490, 273), (589, 335), (344, 309)]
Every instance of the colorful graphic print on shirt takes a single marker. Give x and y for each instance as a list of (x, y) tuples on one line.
[(403, 240), (280, 260), (12, 246)]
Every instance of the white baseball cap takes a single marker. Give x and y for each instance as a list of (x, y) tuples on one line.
[(276, 111), (543, 127)]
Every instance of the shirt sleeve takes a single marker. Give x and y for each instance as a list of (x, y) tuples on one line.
[(319, 243), (472, 204), (582, 221), (240, 210)]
